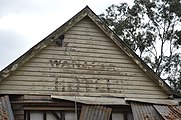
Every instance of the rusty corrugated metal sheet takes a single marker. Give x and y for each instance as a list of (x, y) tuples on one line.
[(143, 111), (6, 112), (95, 113), (169, 112)]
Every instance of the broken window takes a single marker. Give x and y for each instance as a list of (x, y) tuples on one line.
[(49, 115)]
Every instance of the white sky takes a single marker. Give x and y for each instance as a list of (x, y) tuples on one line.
[(23, 23)]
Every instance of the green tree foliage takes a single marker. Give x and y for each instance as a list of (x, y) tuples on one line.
[(152, 29)]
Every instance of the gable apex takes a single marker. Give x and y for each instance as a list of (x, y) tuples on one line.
[(86, 12)]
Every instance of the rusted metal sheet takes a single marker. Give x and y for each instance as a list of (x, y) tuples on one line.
[(143, 111), (6, 112), (169, 112), (95, 113)]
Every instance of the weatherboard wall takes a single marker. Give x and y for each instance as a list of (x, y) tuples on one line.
[(88, 64)]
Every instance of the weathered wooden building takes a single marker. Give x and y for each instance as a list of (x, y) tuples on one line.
[(84, 70)]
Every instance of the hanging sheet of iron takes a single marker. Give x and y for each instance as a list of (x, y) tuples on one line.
[(95, 113)]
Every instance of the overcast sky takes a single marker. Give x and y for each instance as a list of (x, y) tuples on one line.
[(23, 23)]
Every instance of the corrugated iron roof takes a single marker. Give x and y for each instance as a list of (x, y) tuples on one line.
[(169, 112), (6, 112), (95, 113), (143, 111)]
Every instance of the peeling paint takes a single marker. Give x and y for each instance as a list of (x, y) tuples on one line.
[(58, 63), (14, 67), (40, 46), (5, 71), (160, 83), (4, 75), (137, 62)]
